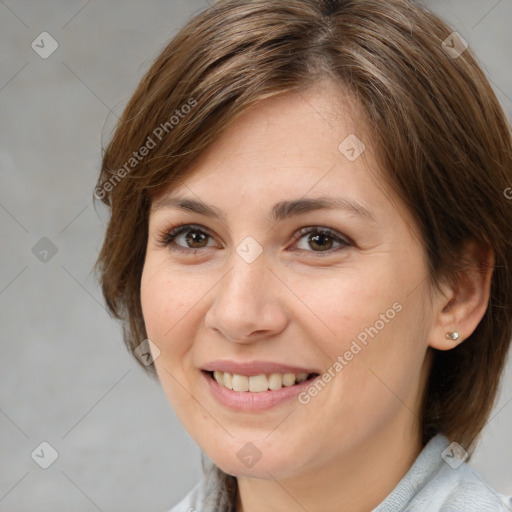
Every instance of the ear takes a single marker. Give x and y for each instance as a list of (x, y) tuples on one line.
[(462, 305)]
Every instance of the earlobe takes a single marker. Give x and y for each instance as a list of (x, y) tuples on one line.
[(464, 302)]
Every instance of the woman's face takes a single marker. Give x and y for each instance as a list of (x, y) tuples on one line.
[(264, 281)]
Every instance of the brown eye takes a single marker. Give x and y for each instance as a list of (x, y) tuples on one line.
[(321, 240), (184, 238), (196, 237), (189, 239)]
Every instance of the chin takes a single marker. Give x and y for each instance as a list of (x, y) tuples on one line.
[(265, 469), (245, 458)]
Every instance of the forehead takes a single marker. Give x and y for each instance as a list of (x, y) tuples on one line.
[(305, 144), (295, 130)]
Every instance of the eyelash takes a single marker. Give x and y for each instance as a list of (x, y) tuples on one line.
[(167, 237)]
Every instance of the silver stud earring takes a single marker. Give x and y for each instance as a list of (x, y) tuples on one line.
[(452, 335)]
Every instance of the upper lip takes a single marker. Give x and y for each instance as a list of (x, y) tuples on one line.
[(253, 368)]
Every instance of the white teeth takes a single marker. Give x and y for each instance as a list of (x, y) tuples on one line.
[(240, 383), (258, 383), (228, 380), (275, 381), (301, 377), (288, 379), (219, 377)]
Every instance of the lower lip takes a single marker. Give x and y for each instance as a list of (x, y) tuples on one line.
[(252, 401)]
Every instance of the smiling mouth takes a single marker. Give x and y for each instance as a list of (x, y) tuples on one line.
[(259, 383)]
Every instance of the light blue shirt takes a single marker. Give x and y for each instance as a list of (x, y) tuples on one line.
[(438, 481)]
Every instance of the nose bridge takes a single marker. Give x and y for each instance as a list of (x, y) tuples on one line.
[(247, 281), (248, 266), (245, 301)]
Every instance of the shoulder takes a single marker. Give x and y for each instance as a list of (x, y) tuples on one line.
[(210, 494), (215, 492), (192, 502), (438, 482), (464, 489)]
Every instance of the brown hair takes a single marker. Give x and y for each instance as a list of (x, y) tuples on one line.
[(443, 141)]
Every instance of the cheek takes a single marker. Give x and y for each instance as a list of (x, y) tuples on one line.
[(172, 311), (165, 305), (340, 305), (153, 302), (164, 299), (376, 321)]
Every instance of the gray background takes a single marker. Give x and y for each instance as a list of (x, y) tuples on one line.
[(66, 377)]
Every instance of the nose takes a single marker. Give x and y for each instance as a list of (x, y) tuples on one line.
[(247, 305)]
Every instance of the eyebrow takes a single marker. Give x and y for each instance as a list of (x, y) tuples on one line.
[(280, 211)]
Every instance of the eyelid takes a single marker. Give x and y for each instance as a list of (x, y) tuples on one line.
[(315, 229), (166, 237)]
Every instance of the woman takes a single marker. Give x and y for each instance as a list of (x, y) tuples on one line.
[(310, 247)]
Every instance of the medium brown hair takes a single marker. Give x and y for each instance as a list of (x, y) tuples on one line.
[(443, 142)]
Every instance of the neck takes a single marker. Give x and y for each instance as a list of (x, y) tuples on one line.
[(354, 482)]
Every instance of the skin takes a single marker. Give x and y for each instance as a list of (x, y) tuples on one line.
[(301, 304)]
